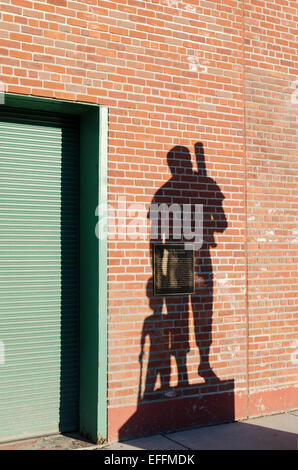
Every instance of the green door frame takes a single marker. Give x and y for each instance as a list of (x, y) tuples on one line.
[(93, 256)]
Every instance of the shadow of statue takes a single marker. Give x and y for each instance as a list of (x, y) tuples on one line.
[(182, 402), (214, 221), (189, 188)]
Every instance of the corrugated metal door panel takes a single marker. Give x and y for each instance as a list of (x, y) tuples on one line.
[(39, 273)]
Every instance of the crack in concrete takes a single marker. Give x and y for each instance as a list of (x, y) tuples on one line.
[(176, 442)]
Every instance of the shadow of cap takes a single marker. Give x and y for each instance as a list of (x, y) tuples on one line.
[(179, 157)]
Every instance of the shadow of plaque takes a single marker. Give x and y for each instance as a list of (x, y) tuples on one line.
[(173, 270)]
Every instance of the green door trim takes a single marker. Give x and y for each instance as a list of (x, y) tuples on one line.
[(93, 256)]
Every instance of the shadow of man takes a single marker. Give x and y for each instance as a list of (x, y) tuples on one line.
[(156, 328), (193, 188)]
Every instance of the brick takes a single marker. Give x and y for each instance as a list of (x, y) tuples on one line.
[(54, 85), (44, 58), (43, 92), (55, 35), (77, 22), (32, 48), (65, 96), (18, 89), (61, 3), (96, 91), (20, 54), (22, 3), (39, 6), (20, 37)]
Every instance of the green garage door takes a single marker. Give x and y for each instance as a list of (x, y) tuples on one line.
[(39, 273)]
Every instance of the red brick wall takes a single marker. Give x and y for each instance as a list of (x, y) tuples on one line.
[(177, 73), (271, 145)]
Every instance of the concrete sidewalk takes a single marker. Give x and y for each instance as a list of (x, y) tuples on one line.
[(275, 432)]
